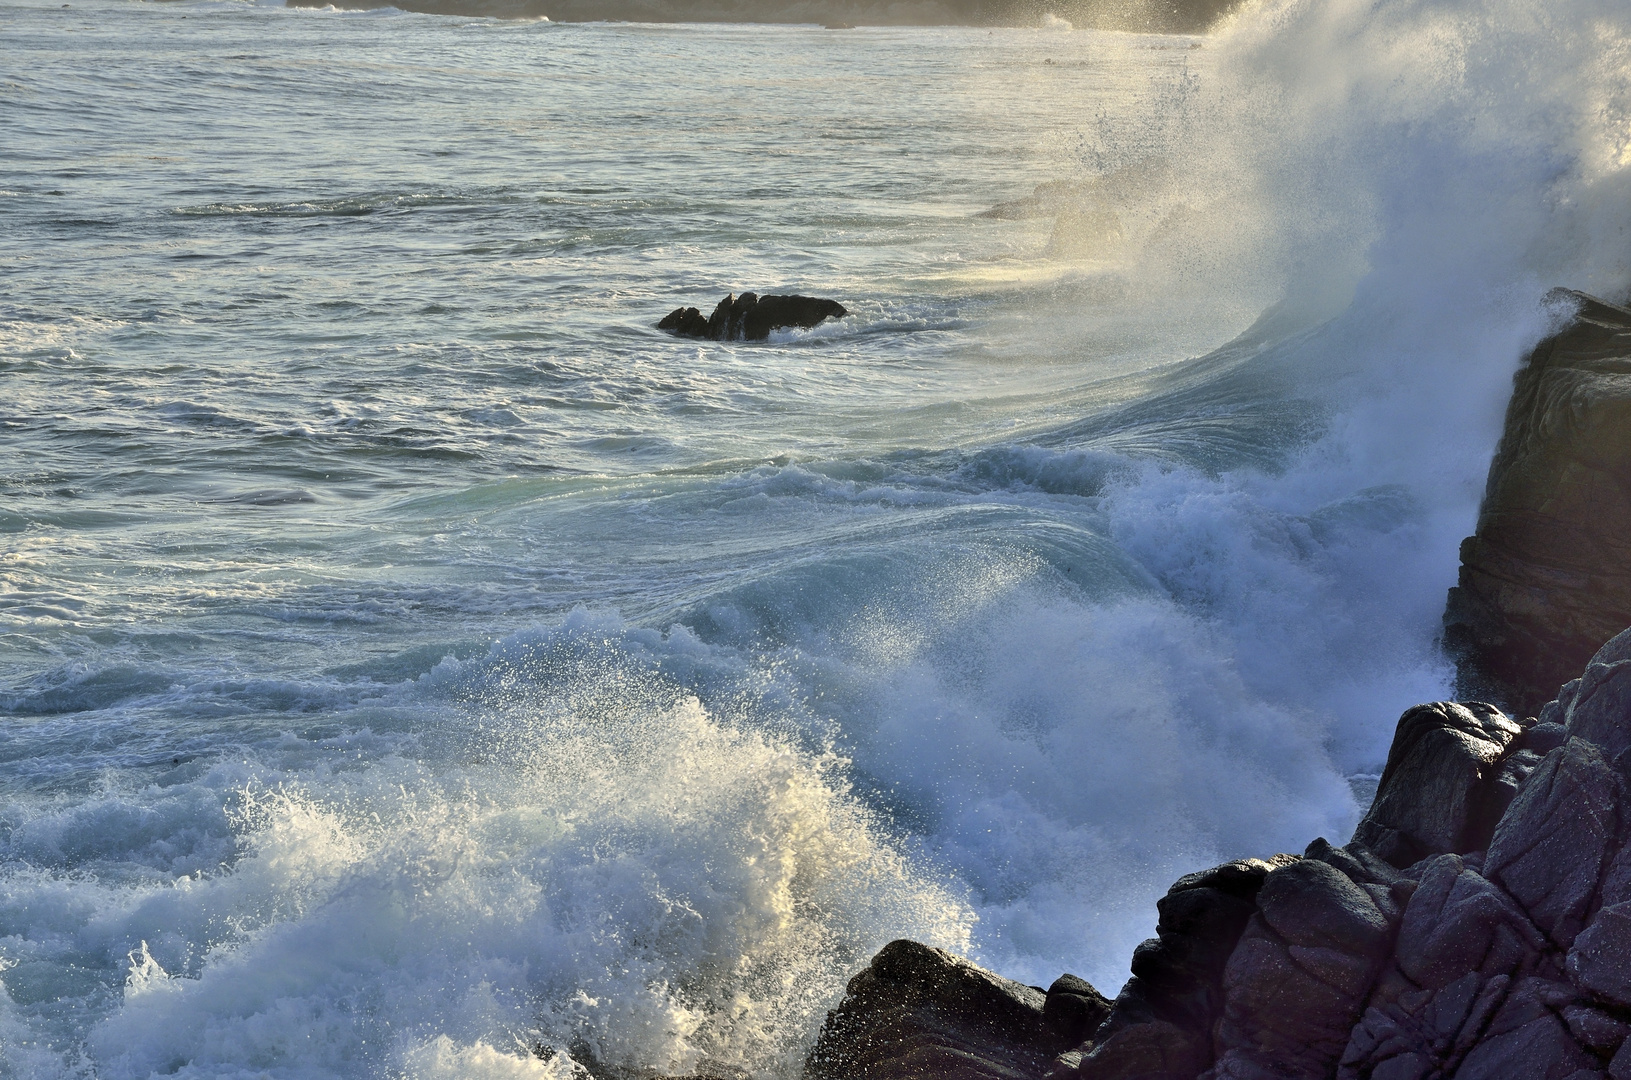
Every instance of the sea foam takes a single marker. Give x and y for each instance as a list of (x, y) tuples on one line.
[(993, 695)]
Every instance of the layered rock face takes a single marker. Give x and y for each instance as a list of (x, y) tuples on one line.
[(1477, 926), (1546, 579)]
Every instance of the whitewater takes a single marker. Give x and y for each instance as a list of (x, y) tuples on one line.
[(414, 664)]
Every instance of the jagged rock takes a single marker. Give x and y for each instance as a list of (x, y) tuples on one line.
[(1362, 866), (1616, 886), (1556, 711), (918, 1011), (1458, 923), (1154, 1050), (1163, 1017), (685, 322), (1543, 738), (1526, 1038), (1551, 848), (1546, 578), (1073, 1011), (1601, 701), (1425, 1034), (1442, 788), (1600, 961), (1508, 959), (751, 317), (1298, 981), (1594, 1029)]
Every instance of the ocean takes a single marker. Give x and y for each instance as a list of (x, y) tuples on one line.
[(414, 664)]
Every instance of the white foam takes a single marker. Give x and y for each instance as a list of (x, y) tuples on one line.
[(609, 871), (1078, 671)]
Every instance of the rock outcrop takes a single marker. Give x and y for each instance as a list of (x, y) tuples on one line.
[(1447, 781), (751, 317), (1478, 925), (917, 1011), (1546, 578)]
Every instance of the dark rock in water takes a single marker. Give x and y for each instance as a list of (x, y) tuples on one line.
[(1506, 956), (751, 317), (1546, 578), (921, 1012), (686, 322), (1440, 790)]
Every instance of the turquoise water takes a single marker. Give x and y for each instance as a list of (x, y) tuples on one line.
[(416, 664)]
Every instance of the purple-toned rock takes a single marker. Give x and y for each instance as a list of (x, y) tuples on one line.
[(1073, 1011), (1527, 1038), (1163, 1017), (1552, 846), (1299, 979), (1458, 923), (1600, 961), (1601, 705), (1426, 1033), (1442, 789), (1153, 1050)]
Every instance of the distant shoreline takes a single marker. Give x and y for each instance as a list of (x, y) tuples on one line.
[(1138, 16)]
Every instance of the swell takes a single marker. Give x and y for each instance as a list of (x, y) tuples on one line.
[(994, 696)]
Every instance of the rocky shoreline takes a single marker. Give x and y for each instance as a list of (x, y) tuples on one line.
[(1494, 939), (1478, 923)]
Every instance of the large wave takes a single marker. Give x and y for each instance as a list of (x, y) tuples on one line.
[(994, 698)]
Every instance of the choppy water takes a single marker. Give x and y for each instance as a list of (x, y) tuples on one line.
[(412, 661)]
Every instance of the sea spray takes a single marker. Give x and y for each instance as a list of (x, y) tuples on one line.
[(611, 875), (1397, 186), (978, 621)]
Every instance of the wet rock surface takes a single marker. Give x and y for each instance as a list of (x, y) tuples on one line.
[(918, 1011), (1478, 926), (1546, 578), (1443, 788), (751, 317)]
